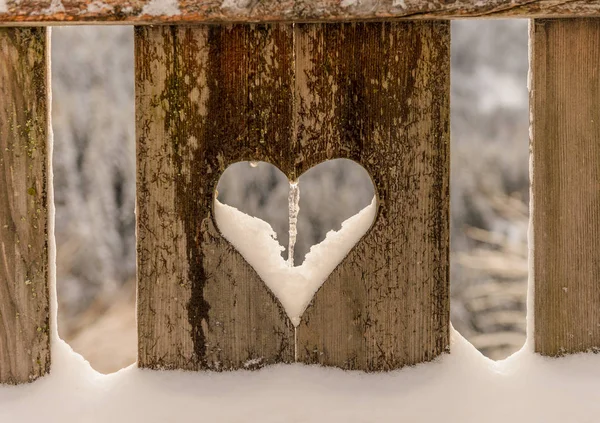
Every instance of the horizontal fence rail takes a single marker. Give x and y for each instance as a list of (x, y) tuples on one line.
[(27, 12), (296, 95)]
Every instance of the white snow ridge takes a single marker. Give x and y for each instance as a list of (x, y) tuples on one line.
[(293, 286), (461, 387)]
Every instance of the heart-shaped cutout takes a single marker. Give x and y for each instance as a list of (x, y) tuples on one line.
[(257, 242)]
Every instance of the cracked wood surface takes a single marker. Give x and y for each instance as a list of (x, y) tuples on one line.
[(27, 12), (379, 94), (209, 96), (24, 125), (565, 106)]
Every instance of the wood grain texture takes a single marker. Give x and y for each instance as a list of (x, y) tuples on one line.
[(565, 106), (379, 94), (27, 12), (209, 96), (206, 97), (24, 124)]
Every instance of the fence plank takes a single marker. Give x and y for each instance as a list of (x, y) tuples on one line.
[(19, 12), (565, 104), (206, 97), (24, 123), (378, 93)]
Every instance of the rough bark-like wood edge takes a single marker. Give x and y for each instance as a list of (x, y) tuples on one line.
[(138, 12), (565, 148), (24, 124), (378, 93)]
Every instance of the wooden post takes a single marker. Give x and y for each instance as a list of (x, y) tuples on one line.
[(24, 165), (378, 93), (565, 105), (206, 97)]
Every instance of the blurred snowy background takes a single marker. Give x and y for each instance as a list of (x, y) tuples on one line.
[(94, 167)]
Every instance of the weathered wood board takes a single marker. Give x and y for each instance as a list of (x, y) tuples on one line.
[(63, 12), (206, 97), (209, 96), (378, 94), (565, 107), (24, 166)]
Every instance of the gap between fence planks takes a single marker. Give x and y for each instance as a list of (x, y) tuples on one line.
[(209, 96), (565, 106), (24, 166), (27, 12)]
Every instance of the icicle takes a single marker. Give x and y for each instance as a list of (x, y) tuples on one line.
[(294, 208)]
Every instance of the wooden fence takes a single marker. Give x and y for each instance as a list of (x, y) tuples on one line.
[(295, 83)]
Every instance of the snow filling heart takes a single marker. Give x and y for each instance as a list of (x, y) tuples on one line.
[(257, 242)]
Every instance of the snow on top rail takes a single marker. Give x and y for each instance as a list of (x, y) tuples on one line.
[(61, 12)]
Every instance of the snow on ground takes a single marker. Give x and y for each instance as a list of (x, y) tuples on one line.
[(463, 387)]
